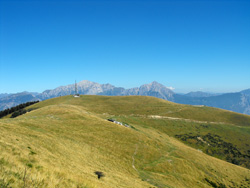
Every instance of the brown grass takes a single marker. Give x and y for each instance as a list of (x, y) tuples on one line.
[(67, 139)]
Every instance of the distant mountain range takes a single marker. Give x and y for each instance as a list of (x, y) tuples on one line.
[(201, 94), (237, 102)]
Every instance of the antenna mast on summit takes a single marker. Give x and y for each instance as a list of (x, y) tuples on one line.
[(76, 91), (75, 88)]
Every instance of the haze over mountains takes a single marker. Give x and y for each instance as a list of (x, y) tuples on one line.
[(237, 102)]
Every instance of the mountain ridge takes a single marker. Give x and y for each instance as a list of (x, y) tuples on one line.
[(237, 102)]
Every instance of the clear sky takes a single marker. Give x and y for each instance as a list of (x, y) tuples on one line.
[(186, 44)]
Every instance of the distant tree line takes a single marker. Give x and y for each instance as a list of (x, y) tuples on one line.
[(17, 110), (218, 148)]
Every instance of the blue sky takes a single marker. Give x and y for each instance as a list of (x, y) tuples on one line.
[(189, 45)]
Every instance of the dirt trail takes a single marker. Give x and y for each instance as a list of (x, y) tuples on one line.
[(183, 119)]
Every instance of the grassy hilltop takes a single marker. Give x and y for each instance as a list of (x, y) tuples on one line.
[(63, 141)]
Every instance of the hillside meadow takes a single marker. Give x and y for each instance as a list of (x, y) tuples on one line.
[(63, 141)]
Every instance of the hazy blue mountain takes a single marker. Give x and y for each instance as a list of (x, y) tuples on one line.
[(200, 94), (237, 102), (246, 92), (4, 95), (15, 99)]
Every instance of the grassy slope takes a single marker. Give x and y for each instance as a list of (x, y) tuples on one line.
[(65, 140)]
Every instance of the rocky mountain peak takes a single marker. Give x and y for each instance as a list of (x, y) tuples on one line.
[(154, 83), (156, 87), (86, 83)]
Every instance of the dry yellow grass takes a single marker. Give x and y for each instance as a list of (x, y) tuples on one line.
[(65, 140)]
